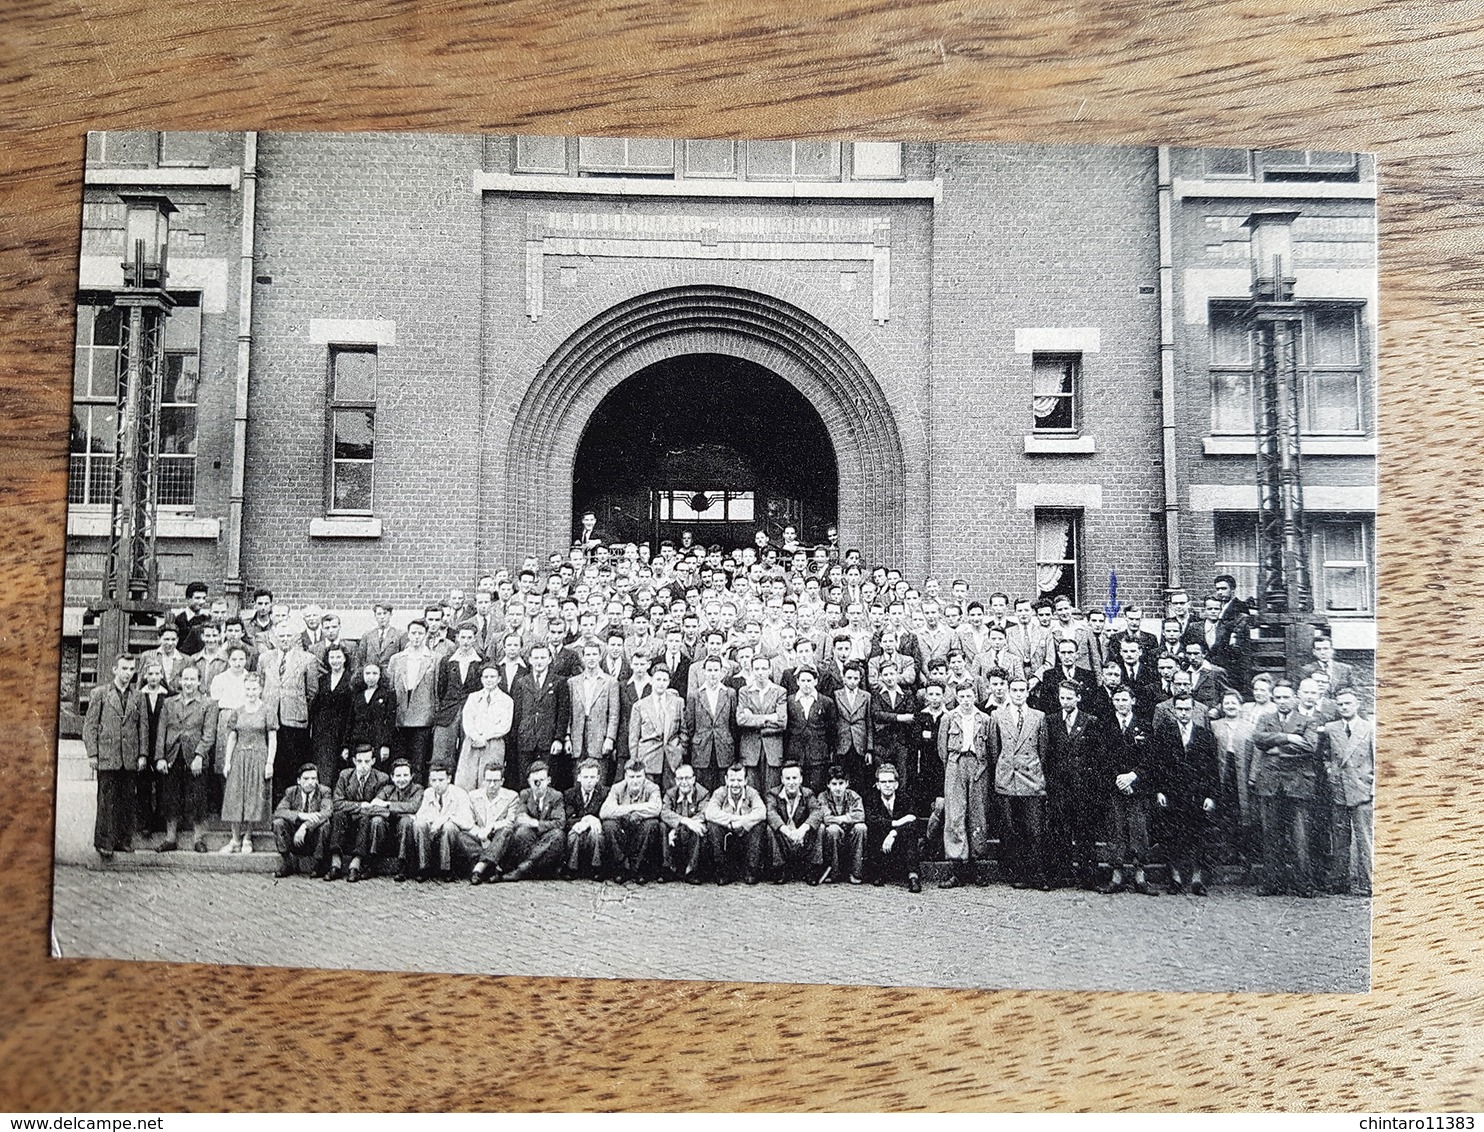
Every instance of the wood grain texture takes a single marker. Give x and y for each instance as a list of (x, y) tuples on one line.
[(1403, 79)]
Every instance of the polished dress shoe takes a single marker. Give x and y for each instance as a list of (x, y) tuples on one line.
[(1115, 883), (334, 872), (166, 847), (1197, 886), (284, 871), (878, 882), (198, 846), (855, 880), (353, 874), (913, 884), (478, 875)]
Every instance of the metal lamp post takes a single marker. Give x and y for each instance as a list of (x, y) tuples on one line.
[(131, 589)]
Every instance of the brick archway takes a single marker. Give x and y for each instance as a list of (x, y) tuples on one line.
[(704, 319)]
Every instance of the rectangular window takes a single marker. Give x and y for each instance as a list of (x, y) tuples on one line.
[(540, 155), (710, 159), (1227, 162), (1231, 371), (1340, 564), (705, 506), (352, 428), (1055, 379), (1308, 165), (95, 383), (1236, 549), (876, 161), (626, 155), (176, 470), (1058, 546), (804, 160)]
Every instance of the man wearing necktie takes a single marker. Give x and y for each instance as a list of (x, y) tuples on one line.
[(1075, 796), (1187, 782), (1350, 751), (301, 822), (1019, 742)]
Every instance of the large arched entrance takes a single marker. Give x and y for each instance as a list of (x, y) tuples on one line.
[(780, 338), (710, 443)]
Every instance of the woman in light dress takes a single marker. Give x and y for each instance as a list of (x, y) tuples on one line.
[(252, 743)]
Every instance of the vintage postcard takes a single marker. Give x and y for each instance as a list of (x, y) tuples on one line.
[(938, 564)]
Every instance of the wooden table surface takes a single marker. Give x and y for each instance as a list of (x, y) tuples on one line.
[(1404, 79)]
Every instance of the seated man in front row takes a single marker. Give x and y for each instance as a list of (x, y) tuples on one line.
[(444, 815), (396, 805), (794, 818), (893, 833), (842, 828), (356, 791), (682, 815), (583, 803), (631, 826), (540, 828), (489, 840), (736, 825), (301, 822)]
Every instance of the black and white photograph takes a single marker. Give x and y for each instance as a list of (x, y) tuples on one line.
[(941, 564)]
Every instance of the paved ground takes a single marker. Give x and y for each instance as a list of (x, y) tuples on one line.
[(975, 937), (206, 909)]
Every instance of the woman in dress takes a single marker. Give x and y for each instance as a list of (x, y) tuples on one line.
[(147, 785), (252, 743), (329, 717), (373, 715)]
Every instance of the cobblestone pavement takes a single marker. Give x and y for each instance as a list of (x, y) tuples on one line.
[(970, 937)]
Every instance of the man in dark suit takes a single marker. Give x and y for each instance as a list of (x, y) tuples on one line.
[(853, 731), (1208, 681), (794, 818), (510, 662), (1341, 675), (1133, 630), (636, 686), (352, 805), (1074, 793), (1128, 784), (301, 823), (677, 660), (110, 734), (582, 805), (1139, 671), (396, 806), (893, 832), (380, 644), (1232, 607), (683, 827), (457, 677), (540, 721), (540, 828), (811, 727), (1187, 784), (892, 715), (1048, 695), (710, 714)]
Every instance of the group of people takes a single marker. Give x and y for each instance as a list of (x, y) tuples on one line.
[(777, 713)]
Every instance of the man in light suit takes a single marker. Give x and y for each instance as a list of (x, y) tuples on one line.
[(290, 684), (110, 734), (444, 815), (1341, 675), (657, 730), (1019, 742), (964, 750), (414, 673), (710, 712), (762, 720), (592, 729), (853, 737), (683, 822), (380, 644), (1350, 762)]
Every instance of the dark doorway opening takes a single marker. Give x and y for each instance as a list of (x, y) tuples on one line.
[(716, 445)]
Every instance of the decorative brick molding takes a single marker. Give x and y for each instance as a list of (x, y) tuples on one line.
[(705, 319), (865, 240)]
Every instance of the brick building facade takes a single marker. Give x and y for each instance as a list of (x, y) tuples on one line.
[(1028, 360)]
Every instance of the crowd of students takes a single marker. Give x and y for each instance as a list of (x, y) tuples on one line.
[(774, 714)]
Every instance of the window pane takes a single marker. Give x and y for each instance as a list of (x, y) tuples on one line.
[(1231, 402), (1231, 341), (176, 484), (740, 508), (77, 479), (653, 154), (183, 329), (1228, 162), (710, 158), (770, 159), (355, 431), (355, 375), (108, 326), (600, 153), (177, 431), (1334, 404), (541, 155), (352, 488), (1344, 588), (102, 426), (182, 375), (1236, 538), (77, 441), (816, 159), (1285, 159), (1333, 342), (877, 159), (1343, 542)]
